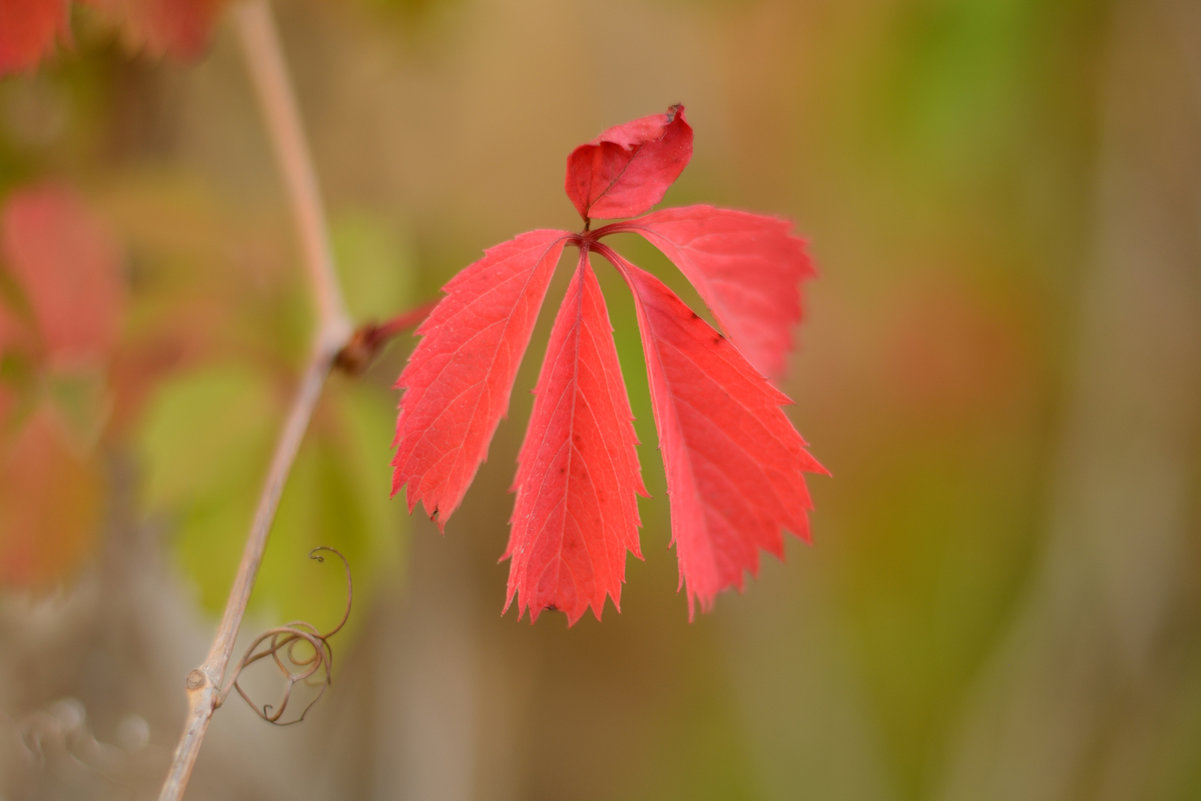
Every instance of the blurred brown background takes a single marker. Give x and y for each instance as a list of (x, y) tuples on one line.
[(1001, 366)]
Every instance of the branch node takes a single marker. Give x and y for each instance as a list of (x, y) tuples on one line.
[(370, 338)]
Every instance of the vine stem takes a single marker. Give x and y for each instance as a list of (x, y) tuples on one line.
[(265, 62), (269, 73)]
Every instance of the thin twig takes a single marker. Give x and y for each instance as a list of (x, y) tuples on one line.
[(266, 65), (264, 58), (204, 683)]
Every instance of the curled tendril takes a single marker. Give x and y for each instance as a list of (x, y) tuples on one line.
[(299, 651)]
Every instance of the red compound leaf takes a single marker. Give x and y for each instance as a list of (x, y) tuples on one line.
[(734, 463)]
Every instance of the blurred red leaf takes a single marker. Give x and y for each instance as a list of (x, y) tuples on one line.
[(28, 31), (10, 333), (627, 169), (735, 465), (576, 512), (68, 268), (49, 501), (177, 28), (65, 268), (14, 336)]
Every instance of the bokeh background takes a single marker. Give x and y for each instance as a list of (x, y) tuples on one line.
[(1001, 366)]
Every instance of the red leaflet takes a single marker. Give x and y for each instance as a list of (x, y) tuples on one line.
[(735, 465), (458, 380), (28, 30), (747, 268), (626, 169), (576, 513)]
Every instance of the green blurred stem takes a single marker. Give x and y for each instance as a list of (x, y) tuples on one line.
[(264, 58)]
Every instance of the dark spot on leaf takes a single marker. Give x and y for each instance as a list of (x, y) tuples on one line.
[(695, 316), (718, 339), (550, 608)]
